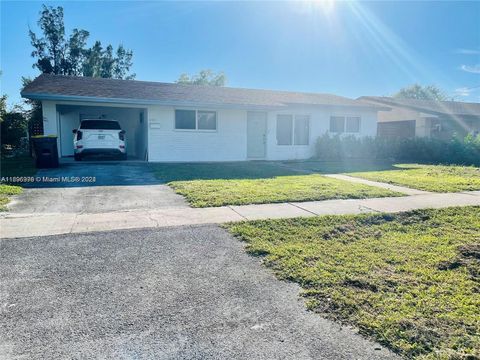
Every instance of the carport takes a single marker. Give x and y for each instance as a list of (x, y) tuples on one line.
[(131, 119)]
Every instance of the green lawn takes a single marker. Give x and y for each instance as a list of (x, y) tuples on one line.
[(206, 185), (336, 167), (5, 192), (204, 193), (436, 178), (410, 280), (223, 170)]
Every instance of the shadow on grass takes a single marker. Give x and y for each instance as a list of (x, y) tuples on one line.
[(345, 166), (260, 169)]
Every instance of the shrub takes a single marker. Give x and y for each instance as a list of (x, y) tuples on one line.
[(14, 126), (460, 151)]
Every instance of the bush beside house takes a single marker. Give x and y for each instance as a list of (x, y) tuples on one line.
[(459, 151)]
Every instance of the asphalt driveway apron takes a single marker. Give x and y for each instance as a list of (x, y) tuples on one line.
[(176, 293), (95, 187)]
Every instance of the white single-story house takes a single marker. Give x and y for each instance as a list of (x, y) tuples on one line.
[(167, 122)]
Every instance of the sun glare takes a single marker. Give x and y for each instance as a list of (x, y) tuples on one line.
[(326, 6)]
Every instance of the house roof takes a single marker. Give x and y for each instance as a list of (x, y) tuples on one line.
[(59, 87), (451, 108)]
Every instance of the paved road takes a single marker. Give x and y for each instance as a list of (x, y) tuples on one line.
[(173, 293), (116, 186)]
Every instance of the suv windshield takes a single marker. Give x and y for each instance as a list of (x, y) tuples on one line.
[(100, 125)]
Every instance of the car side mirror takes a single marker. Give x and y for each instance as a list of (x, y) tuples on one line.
[(74, 131)]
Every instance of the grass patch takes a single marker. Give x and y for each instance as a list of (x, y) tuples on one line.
[(436, 178), (218, 184), (223, 170), (342, 166), (17, 166), (5, 192), (203, 193), (410, 280)]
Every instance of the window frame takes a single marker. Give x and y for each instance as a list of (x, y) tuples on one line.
[(292, 136), (345, 117), (291, 127), (196, 120), (359, 124), (295, 129)]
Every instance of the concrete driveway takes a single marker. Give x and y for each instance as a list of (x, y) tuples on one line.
[(175, 293), (95, 187)]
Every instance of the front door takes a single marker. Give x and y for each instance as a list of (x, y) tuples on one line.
[(256, 134)]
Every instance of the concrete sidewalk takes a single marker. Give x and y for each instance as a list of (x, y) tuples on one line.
[(30, 224)]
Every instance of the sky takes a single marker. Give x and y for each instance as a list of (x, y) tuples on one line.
[(345, 48)]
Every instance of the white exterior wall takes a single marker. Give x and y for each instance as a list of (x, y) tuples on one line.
[(227, 143), (319, 125), (50, 121)]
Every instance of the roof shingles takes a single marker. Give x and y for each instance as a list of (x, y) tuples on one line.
[(47, 85)]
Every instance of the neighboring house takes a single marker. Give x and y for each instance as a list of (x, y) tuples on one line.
[(172, 122), (425, 118)]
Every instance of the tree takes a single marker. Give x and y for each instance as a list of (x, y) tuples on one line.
[(419, 92), (13, 124), (55, 54), (204, 77)]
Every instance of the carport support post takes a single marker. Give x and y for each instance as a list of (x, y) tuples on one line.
[(50, 120)]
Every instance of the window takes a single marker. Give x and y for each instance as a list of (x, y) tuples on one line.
[(195, 120), (284, 129), (337, 124), (293, 132), (341, 124), (185, 119), (99, 125), (207, 120), (301, 129), (352, 124)]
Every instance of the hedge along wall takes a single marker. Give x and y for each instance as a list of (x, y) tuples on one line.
[(459, 151)]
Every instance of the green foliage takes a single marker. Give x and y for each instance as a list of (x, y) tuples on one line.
[(410, 280), (253, 183), (13, 127), (56, 54), (436, 178), (456, 151), (419, 92), (204, 77)]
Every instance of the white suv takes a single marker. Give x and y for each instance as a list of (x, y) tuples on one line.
[(99, 136)]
